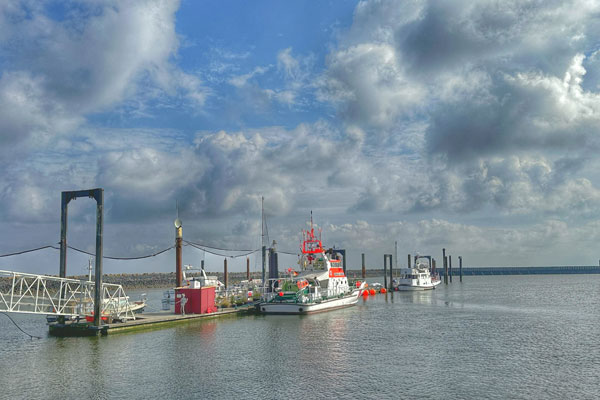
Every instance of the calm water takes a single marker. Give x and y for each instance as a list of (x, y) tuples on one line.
[(498, 337)]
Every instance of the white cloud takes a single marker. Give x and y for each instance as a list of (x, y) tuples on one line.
[(546, 243), (97, 57), (369, 84)]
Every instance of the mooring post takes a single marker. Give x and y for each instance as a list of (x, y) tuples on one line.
[(409, 259), (248, 269), (201, 264), (178, 256), (225, 274), (385, 256), (391, 274), (445, 266), (460, 267), (63, 234), (432, 266), (450, 267), (99, 196), (64, 201), (264, 262), (364, 270)]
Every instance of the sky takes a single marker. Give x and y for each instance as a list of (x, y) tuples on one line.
[(466, 125)]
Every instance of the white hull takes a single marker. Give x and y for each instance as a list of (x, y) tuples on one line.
[(309, 308), (406, 287), (414, 288)]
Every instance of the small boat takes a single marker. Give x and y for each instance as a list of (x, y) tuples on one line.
[(201, 281), (417, 277), (322, 284)]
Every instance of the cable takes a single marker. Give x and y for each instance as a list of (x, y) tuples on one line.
[(13, 321), (216, 248), (219, 254), (121, 258), (28, 251), (287, 252), (86, 252)]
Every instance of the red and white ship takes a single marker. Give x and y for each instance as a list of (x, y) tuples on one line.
[(321, 285)]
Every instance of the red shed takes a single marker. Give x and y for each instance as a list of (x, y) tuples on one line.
[(196, 301)]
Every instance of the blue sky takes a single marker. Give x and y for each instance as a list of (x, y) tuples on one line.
[(466, 125)]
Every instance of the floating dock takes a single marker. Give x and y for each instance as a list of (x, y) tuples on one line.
[(146, 321)]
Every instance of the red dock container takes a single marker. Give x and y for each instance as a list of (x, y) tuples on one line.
[(197, 301)]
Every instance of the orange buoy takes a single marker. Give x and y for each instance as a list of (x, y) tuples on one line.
[(365, 293), (358, 283), (383, 290), (372, 292), (280, 294)]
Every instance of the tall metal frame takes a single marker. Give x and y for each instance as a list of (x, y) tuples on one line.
[(66, 197)]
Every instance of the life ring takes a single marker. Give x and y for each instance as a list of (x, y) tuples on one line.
[(302, 284)]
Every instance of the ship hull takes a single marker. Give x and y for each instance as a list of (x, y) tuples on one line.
[(309, 308)]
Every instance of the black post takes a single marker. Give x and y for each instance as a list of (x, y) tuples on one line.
[(264, 262), (391, 274), (460, 267), (64, 201), (364, 270), (99, 196), (225, 274), (409, 259), (178, 256), (273, 268), (450, 267), (445, 266), (385, 271)]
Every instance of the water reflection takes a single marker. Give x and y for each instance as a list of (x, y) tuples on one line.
[(476, 340)]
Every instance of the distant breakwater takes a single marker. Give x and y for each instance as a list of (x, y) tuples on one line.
[(150, 280)]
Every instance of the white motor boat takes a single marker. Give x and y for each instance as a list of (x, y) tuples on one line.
[(417, 277)]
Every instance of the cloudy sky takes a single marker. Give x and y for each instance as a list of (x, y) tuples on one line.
[(470, 125)]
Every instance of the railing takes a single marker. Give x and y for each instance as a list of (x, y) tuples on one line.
[(49, 295)]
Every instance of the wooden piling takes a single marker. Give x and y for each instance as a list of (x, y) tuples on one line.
[(408, 265), (460, 267), (225, 274), (445, 260), (178, 257), (364, 270), (248, 269), (385, 256), (450, 267), (391, 287)]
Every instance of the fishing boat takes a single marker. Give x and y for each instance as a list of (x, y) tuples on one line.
[(321, 285), (417, 277)]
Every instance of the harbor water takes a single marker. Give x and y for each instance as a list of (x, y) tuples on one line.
[(491, 337)]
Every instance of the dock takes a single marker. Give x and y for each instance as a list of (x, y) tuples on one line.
[(146, 321)]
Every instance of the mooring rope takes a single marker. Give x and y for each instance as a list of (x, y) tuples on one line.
[(200, 247), (86, 252), (28, 251), (121, 258), (13, 321)]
